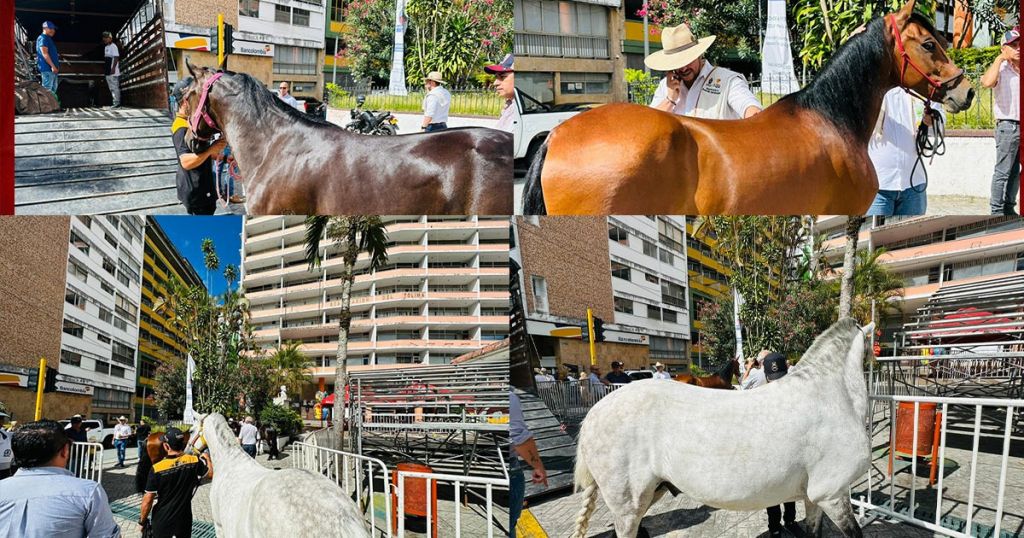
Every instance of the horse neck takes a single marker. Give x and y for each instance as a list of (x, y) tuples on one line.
[(850, 89), (225, 451), (726, 373)]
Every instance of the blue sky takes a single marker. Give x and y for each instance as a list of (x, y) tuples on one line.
[(187, 233)]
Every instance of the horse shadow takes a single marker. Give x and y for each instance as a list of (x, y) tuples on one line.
[(666, 522)]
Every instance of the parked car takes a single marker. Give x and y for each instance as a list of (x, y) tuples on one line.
[(94, 431), (637, 375), (535, 121)]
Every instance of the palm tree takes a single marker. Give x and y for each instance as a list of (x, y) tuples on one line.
[(355, 235), (291, 366), (210, 259), (230, 274), (853, 224), (876, 289)]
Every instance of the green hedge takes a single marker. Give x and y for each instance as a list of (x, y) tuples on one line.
[(285, 421), (974, 59)]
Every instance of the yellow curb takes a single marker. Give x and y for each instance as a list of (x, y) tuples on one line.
[(529, 527)]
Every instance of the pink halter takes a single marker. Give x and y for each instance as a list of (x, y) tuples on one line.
[(201, 112)]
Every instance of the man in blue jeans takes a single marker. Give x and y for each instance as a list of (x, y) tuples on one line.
[(122, 432), (47, 58), (524, 446)]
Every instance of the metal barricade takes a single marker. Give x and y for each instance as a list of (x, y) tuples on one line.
[(960, 513), (459, 484), (570, 401), (86, 461), (354, 474)]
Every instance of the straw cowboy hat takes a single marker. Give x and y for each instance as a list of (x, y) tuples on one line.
[(435, 76), (678, 48)]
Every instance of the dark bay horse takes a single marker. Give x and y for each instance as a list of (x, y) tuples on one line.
[(805, 155), (293, 164), (153, 453), (722, 379)]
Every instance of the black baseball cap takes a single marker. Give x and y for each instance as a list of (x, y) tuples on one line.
[(616, 364), (775, 366), (179, 89), (174, 438)]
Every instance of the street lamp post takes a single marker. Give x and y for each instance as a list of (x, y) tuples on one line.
[(647, 41)]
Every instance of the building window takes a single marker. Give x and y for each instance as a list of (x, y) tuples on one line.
[(125, 308), (620, 271), (295, 60), (671, 236), (618, 235), (561, 29), (337, 10), (106, 315), (666, 256), (249, 8), (653, 312), (74, 298), (300, 17), (76, 269), (669, 315), (122, 354), (623, 305), (110, 239), (78, 242), (651, 278), (673, 294), (103, 338), (282, 14), (106, 287), (70, 357), (73, 328), (585, 83), (650, 249), (540, 294), (493, 335), (109, 266), (102, 397)]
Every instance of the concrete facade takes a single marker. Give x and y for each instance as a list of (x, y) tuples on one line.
[(31, 309), (443, 292)]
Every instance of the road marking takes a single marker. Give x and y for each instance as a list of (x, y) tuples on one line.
[(529, 527)]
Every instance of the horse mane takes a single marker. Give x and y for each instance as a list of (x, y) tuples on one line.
[(821, 357), (257, 99), (725, 371)]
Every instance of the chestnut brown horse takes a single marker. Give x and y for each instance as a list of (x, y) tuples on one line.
[(722, 379), (291, 163), (806, 154), (153, 453)]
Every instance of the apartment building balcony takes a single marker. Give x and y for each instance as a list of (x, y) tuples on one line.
[(391, 299), (561, 46), (1007, 242)]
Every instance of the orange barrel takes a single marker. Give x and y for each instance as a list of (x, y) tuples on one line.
[(415, 499), (905, 428)]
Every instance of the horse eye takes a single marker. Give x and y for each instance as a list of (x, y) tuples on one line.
[(929, 46)]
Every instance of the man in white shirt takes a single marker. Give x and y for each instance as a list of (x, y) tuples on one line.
[(284, 95), (248, 435), (504, 83), (660, 373), (1003, 76), (694, 87), (122, 432), (435, 104), (754, 376), (112, 68), (893, 151)]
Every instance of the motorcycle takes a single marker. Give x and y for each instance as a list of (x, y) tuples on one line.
[(370, 122)]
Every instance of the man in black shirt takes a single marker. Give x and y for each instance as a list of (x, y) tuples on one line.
[(172, 482), (617, 376), (195, 179)]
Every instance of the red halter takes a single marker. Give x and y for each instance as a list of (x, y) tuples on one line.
[(933, 83), (201, 112)]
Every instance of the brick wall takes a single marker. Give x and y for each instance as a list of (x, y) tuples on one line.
[(571, 253), (204, 12)]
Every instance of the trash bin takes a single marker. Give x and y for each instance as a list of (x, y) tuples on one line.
[(928, 429), (415, 499)]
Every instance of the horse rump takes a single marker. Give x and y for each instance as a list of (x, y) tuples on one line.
[(142, 470), (533, 195)]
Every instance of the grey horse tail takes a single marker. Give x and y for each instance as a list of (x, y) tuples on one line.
[(533, 194), (584, 481)]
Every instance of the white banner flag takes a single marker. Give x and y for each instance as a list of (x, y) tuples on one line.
[(189, 416), (777, 75), (397, 84), (737, 302)]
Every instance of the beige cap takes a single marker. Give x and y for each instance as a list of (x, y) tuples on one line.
[(678, 48)]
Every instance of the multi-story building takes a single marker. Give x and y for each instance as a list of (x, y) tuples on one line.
[(570, 51), (33, 264), (709, 280), (159, 339), (635, 37), (930, 253), (336, 67), (629, 271), (274, 40), (443, 292), (101, 311)]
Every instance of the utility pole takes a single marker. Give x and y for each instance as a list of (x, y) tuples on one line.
[(590, 331)]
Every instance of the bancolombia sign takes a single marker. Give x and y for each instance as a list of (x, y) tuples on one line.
[(74, 388), (252, 48)]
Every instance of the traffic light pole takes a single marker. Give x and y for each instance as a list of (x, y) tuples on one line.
[(40, 387), (220, 41), (590, 331)]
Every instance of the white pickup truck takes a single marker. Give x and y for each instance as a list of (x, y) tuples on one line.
[(533, 123), (95, 431)]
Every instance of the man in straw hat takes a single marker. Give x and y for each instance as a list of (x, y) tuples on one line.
[(660, 372), (122, 432), (694, 87), (436, 103)]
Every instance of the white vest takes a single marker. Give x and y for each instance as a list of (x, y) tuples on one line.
[(713, 99)]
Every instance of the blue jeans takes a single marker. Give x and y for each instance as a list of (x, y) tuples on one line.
[(1006, 178), (905, 202), (121, 445), (250, 450), (436, 127), (142, 448), (516, 494), (49, 81)]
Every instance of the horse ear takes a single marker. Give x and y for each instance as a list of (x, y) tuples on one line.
[(868, 329), (903, 15), (191, 68)]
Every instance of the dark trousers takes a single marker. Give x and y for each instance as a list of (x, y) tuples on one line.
[(776, 516), (516, 493), (436, 127), (250, 450), (1006, 177)]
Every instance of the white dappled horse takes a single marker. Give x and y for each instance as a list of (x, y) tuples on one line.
[(800, 438), (251, 501)]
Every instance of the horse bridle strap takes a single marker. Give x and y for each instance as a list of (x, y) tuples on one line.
[(935, 84), (201, 112)]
